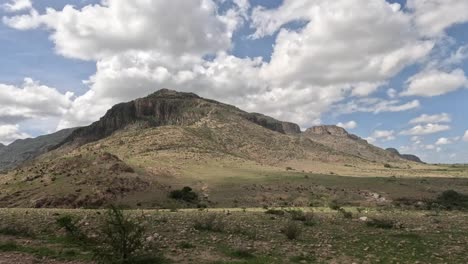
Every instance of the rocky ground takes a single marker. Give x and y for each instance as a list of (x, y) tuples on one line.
[(252, 235)]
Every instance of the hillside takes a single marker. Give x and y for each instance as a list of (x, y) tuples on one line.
[(140, 150)]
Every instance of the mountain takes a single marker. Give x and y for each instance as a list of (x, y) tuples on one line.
[(409, 157), (142, 149), (1, 146), (23, 150), (167, 107)]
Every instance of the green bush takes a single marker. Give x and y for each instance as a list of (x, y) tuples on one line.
[(291, 230), (345, 214), (451, 199), (274, 212), (334, 205), (120, 239), (211, 222), (185, 194), (70, 225), (380, 223), (297, 215)]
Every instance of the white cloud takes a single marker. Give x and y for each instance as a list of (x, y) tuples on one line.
[(432, 17), (457, 57), (435, 82), (376, 105), (10, 133), (425, 129), (430, 147), (17, 5), (465, 137), (348, 125), (342, 42), (438, 118), (443, 141), (31, 100), (174, 28), (384, 135)]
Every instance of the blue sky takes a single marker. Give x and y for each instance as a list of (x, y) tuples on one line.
[(391, 72)]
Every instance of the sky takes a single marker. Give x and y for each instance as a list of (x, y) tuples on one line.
[(392, 72)]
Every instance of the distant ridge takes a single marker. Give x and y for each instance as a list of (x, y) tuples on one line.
[(409, 157), (23, 150)]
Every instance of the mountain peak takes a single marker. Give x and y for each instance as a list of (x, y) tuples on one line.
[(168, 93)]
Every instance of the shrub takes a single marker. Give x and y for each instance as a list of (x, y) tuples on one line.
[(70, 225), (381, 223), (386, 165), (451, 199), (274, 212), (120, 239), (291, 230), (345, 214), (299, 215), (185, 194), (211, 222), (334, 205)]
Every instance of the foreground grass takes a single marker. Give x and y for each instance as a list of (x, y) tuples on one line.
[(252, 236)]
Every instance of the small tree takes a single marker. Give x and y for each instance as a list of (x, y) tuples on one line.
[(122, 238)]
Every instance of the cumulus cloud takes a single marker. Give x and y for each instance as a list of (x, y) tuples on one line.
[(465, 137), (17, 5), (435, 82), (443, 141), (425, 129), (437, 118), (115, 26), (30, 101), (348, 125), (384, 135), (10, 133), (433, 17), (342, 42)]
